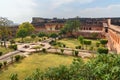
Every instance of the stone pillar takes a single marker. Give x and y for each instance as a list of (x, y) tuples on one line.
[(109, 22)]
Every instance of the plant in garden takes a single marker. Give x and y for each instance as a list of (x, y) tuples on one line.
[(1, 53), (14, 76), (44, 50), (76, 53), (62, 51), (97, 44), (103, 42), (102, 50), (81, 39), (17, 58), (33, 36), (87, 42), (5, 63), (1, 65)]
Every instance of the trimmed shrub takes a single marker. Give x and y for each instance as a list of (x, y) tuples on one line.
[(44, 50), (102, 50), (78, 47), (17, 58), (1, 65), (103, 41), (62, 50), (76, 53), (97, 44), (5, 63), (1, 53)]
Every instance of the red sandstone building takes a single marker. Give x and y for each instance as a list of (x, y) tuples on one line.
[(104, 27)]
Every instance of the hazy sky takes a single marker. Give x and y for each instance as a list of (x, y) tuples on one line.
[(23, 10)]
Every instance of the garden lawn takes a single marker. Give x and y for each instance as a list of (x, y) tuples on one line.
[(72, 43), (29, 64), (5, 50), (69, 42)]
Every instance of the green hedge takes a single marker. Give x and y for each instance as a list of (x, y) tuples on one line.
[(102, 50)]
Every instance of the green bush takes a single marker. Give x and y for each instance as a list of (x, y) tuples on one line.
[(64, 45), (76, 53), (13, 46), (1, 53), (62, 50), (5, 63), (41, 34), (97, 44), (1, 65), (78, 47), (102, 50), (103, 41), (44, 50), (17, 58)]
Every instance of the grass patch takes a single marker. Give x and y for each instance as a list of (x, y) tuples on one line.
[(28, 65), (72, 43), (5, 50)]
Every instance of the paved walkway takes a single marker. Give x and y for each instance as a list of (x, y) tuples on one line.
[(26, 51)]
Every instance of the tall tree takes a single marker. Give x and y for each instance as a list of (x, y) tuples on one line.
[(29, 27), (4, 30), (22, 33), (25, 29), (71, 26)]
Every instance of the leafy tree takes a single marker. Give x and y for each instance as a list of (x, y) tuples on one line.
[(22, 33), (25, 29), (29, 27), (87, 42), (62, 50), (103, 42), (81, 39), (70, 26), (4, 29), (97, 44), (17, 58), (94, 35), (41, 34), (102, 50), (5, 63), (53, 35), (33, 36)]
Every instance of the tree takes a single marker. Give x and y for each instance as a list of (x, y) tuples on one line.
[(4, 30), (62, 51), (53, 35), (87, 42), (102, 50), (25, 29), (22, 33), (103, 42), (33, 36), (41, 34), (94, 35), (17, 58), (71, 26), (29, 27), (81, 39)]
